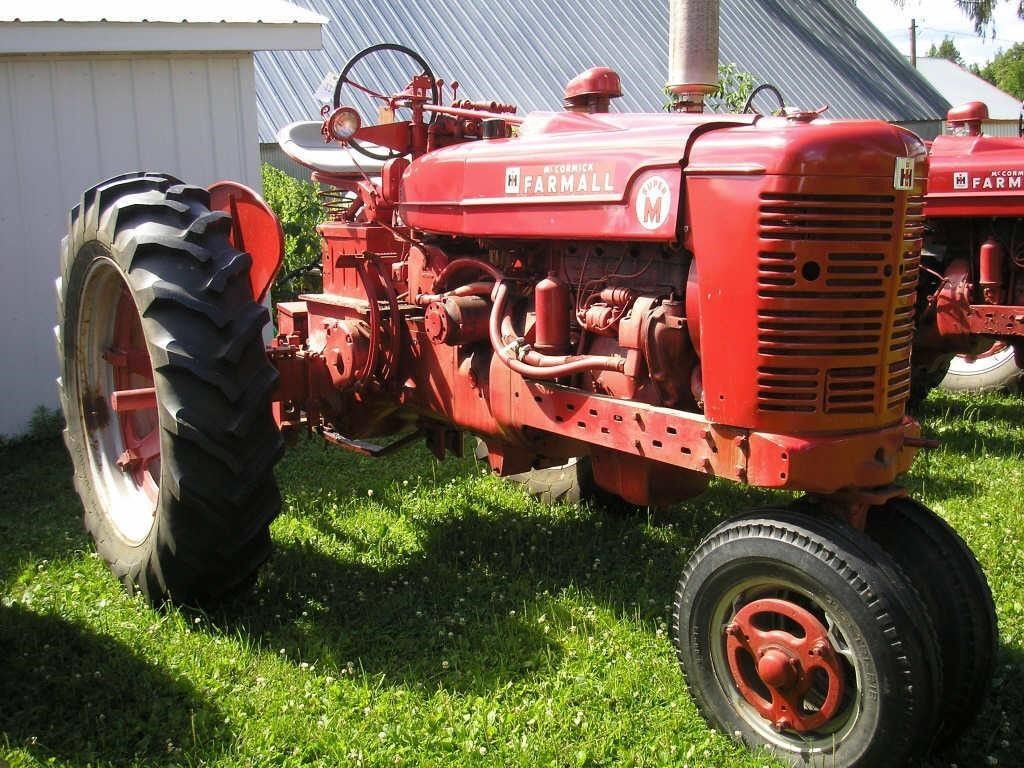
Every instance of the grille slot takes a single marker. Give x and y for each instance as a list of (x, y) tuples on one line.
[(850, 390), (787, 390), (913, 225), (857, 218), (898, 384)]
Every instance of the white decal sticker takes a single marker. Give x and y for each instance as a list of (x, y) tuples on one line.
[(903, 178), (324, 93), (960, 180), (653, 202), (998, 179), (512, 181), (560, 179)]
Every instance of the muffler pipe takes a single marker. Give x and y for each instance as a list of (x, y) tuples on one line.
[(692, 52)]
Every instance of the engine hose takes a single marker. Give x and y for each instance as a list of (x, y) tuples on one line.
[(532, 357), (534, 365), (748, 107), (465, 263)]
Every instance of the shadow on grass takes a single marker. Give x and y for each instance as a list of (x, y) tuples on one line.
[(938, 484), (460, 600), (74, 695), (964, 439), (998, 729), (985, 407), (983, 424)]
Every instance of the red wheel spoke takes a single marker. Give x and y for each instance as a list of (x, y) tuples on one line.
[(133, 398), (127, 400), (369, 91), (129, 361)]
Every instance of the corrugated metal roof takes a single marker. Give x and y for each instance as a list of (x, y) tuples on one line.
[(524, 51), (958, 85), (178, 11)]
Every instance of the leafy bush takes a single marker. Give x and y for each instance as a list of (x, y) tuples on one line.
[(731, 91), (46, 424), (734, 88), (298, 207)]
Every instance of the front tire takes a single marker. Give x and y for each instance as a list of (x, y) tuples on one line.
[(948, 577), (165, 388), (762, 592)]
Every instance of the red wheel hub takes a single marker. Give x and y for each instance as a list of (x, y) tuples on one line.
[(134, 399), (786, 663)]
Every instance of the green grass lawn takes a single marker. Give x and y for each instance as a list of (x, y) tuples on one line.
[(427, 614)]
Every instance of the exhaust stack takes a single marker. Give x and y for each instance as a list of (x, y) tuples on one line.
[(692, 51)]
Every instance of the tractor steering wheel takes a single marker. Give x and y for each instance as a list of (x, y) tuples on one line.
[(749, 106), (343, 79)]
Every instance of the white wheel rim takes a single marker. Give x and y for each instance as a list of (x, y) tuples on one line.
[(129, 506)]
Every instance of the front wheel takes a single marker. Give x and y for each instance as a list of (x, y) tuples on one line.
[(950, 581), (799, 634), (166, 388)]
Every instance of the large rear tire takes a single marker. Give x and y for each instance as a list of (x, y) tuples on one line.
[(994, 370), (799, 634), (166, 388), (948, 577)]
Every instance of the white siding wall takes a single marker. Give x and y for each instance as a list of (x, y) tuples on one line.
[(1000, 128), (67, 122)]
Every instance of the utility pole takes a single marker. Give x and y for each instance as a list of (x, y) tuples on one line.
[(913, 43)]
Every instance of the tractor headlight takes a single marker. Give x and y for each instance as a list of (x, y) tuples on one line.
[(343, 124)]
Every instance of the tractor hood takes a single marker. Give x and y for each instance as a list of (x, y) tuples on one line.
[(620, 176), (975, 176), (565, 175)]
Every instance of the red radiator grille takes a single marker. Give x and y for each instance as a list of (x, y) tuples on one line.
[(836, 283)]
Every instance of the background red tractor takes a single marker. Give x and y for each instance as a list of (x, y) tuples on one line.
[(972, 290), (673, 296)]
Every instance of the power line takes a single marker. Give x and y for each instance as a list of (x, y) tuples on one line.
[(968, 34), (903, 33)]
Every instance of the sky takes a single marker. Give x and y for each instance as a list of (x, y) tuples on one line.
[(941, 18)]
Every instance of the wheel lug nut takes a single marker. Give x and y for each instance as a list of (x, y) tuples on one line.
[(782, 724), (733, 629)]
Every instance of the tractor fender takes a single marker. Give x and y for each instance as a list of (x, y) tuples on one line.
[(254, 229)]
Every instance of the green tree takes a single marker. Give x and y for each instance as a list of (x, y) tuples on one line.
[(946, 50), (1006, 71)]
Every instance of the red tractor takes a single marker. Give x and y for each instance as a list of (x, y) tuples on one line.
[(674, 297), (972, 290)]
